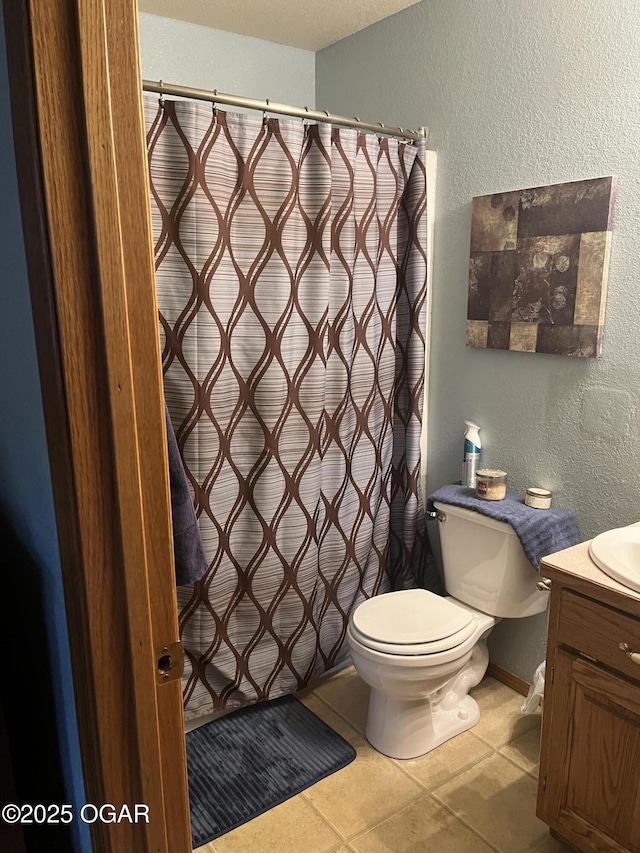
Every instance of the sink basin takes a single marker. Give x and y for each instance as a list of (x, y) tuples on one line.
[(617, 553)]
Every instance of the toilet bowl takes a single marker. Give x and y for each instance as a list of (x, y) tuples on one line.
[(421, 653), (410, 712)]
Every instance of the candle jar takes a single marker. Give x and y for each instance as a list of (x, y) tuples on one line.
[(538, 498), (491, 484)]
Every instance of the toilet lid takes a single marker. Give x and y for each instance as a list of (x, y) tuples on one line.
[(412, 621)]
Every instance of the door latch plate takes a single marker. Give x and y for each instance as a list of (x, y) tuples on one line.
[(169, 663)]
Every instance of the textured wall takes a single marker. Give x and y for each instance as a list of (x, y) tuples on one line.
[(25, 483), (191, 55), (519, 95)]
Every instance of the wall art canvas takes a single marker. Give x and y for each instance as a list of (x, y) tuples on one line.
[(538, 268)]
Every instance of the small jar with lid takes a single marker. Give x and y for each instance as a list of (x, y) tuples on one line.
[(538, 498), (491, 484)]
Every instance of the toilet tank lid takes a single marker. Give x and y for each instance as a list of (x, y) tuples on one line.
[(409, 616)]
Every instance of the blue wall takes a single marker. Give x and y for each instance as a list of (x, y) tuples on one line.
[(25, 484), (191, 55)]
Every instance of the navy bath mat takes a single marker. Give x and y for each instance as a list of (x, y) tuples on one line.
[(254, 759)]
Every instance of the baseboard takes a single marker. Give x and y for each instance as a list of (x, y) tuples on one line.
[(513, 681)]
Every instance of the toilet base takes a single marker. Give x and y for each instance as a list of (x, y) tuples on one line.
[(407, 728), (414, 736)]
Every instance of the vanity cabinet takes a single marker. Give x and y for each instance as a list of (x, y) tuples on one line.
[(589, 783)]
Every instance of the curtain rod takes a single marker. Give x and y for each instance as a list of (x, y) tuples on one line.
[(268, 106)]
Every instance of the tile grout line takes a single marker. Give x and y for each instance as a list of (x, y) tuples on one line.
[(510, 742), (347, 839), (477, 832), (423, 795), (529, 772), (462, 819), (466, 823), (323, 817), (339, 713), (430, 788)]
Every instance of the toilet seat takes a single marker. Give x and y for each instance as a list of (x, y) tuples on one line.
[(411, 622)]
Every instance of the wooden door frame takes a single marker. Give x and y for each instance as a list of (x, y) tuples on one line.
[(80, 150)]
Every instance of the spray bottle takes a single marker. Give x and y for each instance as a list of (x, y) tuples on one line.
[(472, 447)]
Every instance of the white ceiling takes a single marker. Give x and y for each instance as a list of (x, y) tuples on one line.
[(309, 24)]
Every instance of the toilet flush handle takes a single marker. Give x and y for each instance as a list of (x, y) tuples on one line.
[(544, 585), (436, 513)]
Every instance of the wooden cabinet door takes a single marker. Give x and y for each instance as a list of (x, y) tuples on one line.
[(590, 771)]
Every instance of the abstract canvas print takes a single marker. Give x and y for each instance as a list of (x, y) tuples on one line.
[(538, 268)]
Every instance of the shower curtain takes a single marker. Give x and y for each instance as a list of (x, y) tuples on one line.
[(291, 281)]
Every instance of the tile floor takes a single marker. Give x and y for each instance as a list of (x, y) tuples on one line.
[(474, 794)]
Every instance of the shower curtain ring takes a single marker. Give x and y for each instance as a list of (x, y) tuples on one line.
[(264, 113), (161, 98)]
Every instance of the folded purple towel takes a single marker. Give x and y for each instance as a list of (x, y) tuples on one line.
[(541, 531)]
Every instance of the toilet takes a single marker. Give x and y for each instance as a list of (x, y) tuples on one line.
[(421, 653)]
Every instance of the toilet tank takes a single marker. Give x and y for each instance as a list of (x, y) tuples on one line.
[(485, 566)]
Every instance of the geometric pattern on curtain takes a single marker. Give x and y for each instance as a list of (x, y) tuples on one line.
[(291, 282)]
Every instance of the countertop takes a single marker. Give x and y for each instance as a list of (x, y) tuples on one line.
[(574, 568)]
